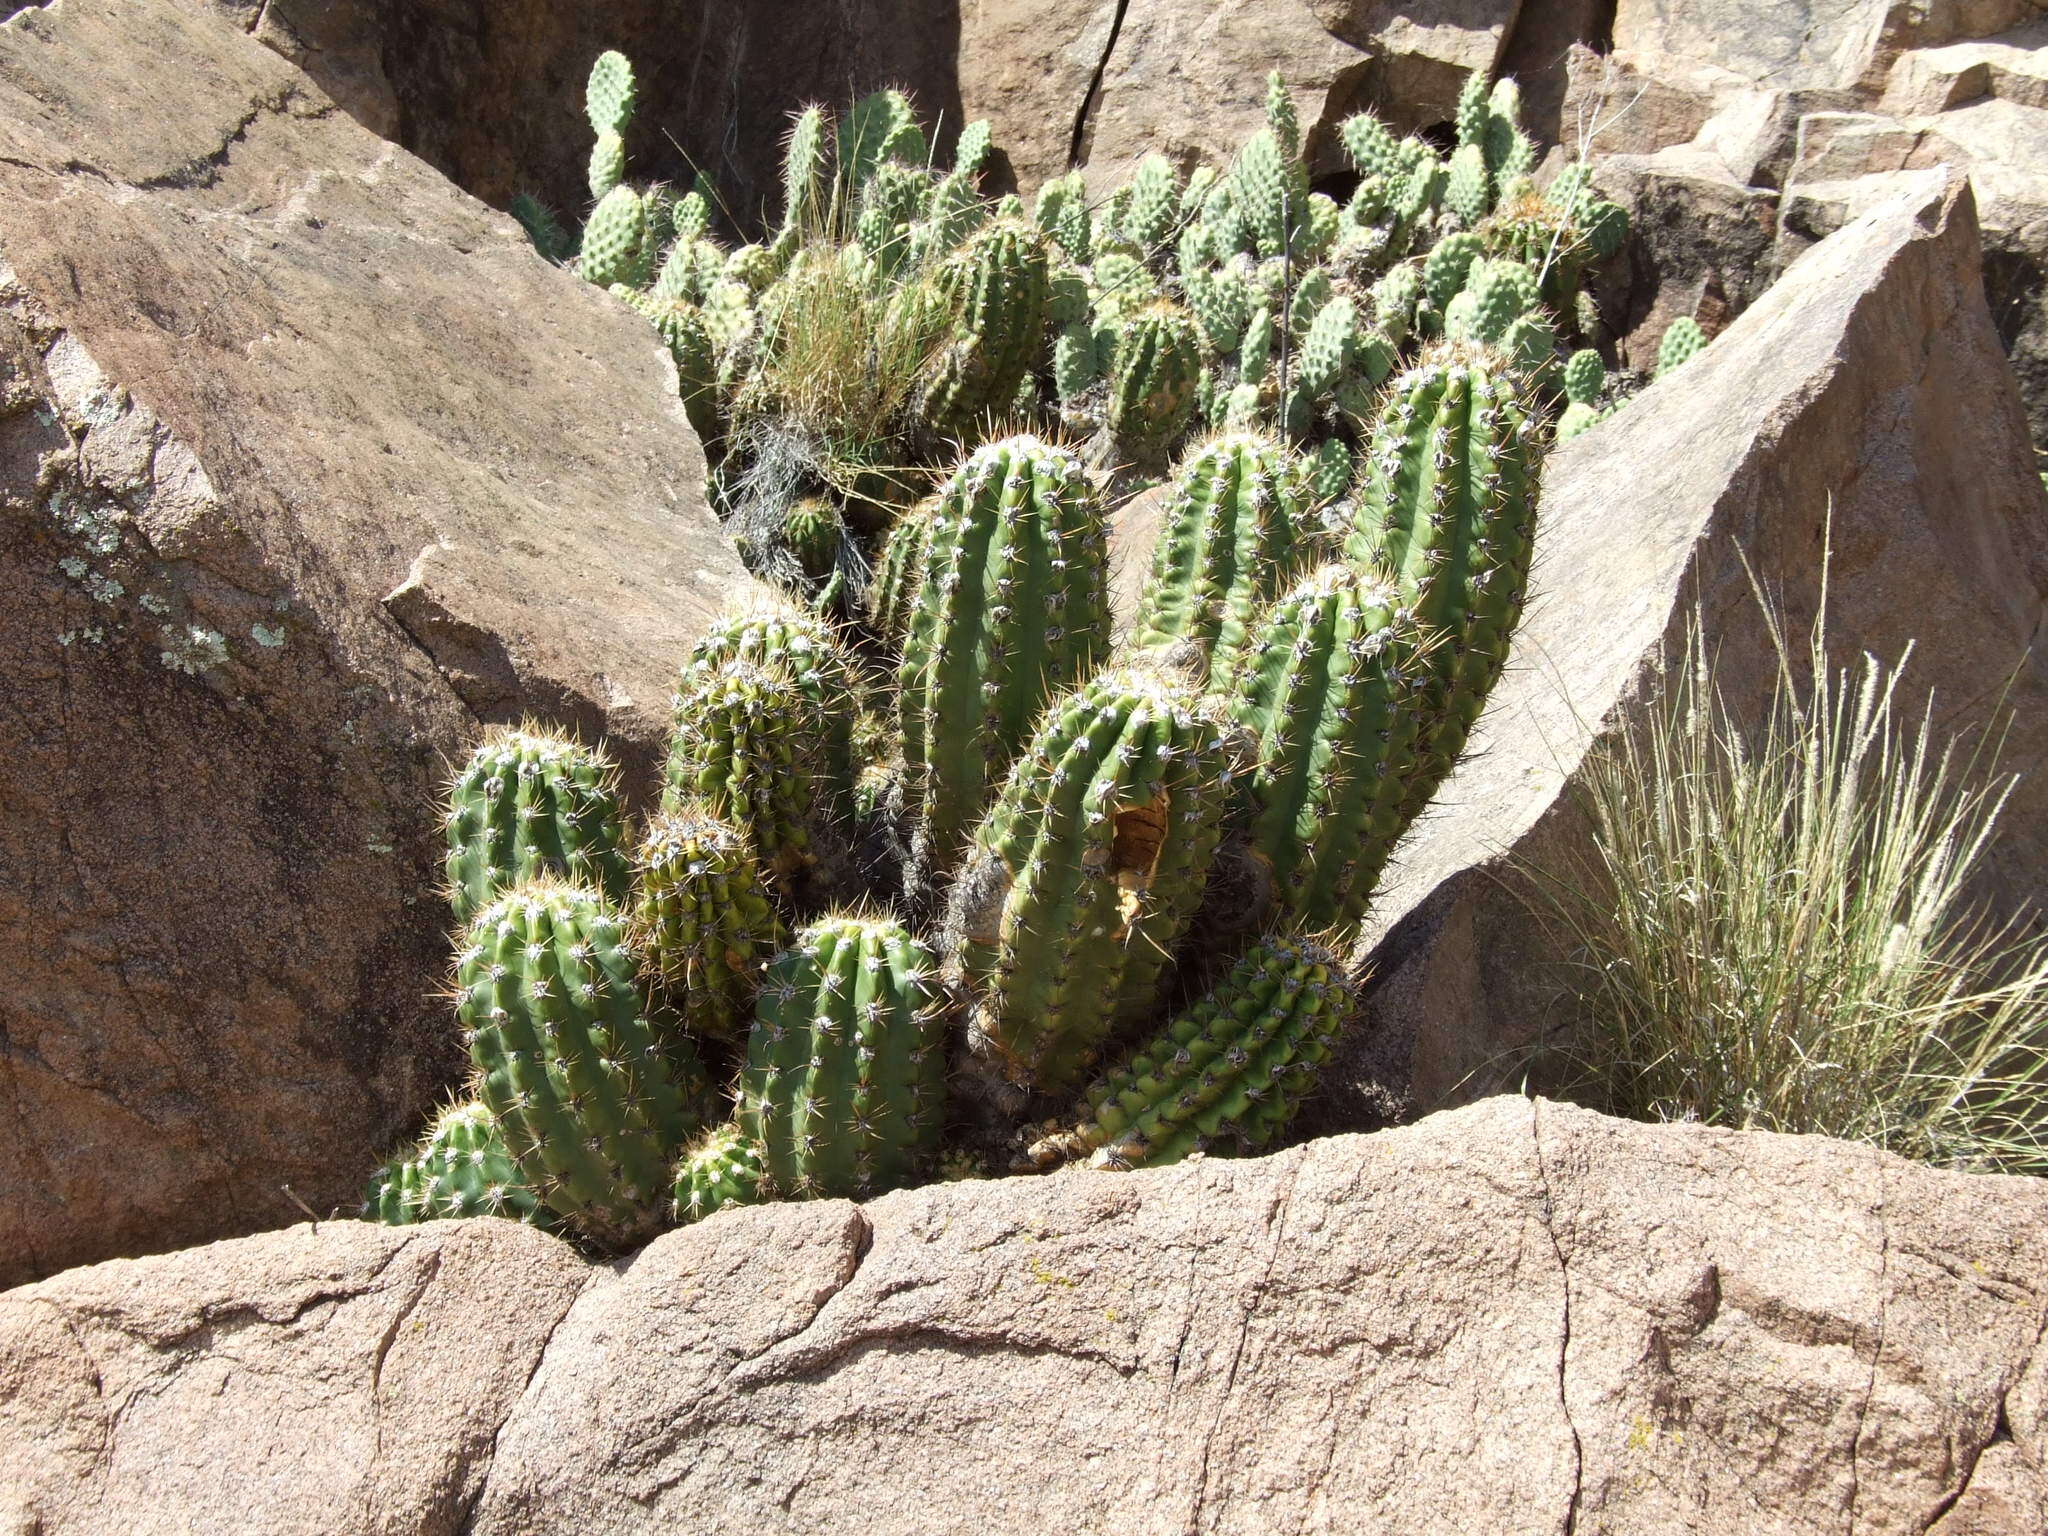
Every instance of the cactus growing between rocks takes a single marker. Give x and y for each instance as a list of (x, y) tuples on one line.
[(845, 1074), (1234, 1067), (1682, 342), (592, 1096), (1085, 872), (724, 1168), (700, 918), (1334, 691), (1152, 380), (531, 802), (1012, 606), (1232, 535), (459, 1168)]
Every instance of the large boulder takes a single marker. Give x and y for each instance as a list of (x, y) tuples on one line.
[(1857, 425), (308, 466), (1492, 1320)]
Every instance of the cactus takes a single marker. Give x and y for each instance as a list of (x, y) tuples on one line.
[(610, 95), (615, 240), (1013, 606), (1469, 191), (1062, 215), (1155, 202), (812, 531), (1085, 872), (459, 1168), (999, 284), (877, 129), (1448, 510), (1331, 471), (1584, 377), (1152, 379), (1326, 350), (892, 595), (538, 220), (1681, 344), (1230, 539), (1335, 694), (750, 745), (803, 169), (1577, 419), (531, 802), (592, 1095), (722, 1169), (846, 1073), (805, 647), (1448, 265), (1372, 146), (1264, 189), (1234, 1067), (700, 920)]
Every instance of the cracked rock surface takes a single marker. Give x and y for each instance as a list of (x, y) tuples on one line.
[(1517, 1317), (307, 466)]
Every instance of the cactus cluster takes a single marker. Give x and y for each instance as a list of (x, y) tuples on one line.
[(931, 852)]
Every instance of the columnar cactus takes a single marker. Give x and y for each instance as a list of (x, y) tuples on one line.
[(459, 1168), (750, 745), (805, 647), (1232, 535), (1085, 872), (1013, 606), (999, 284), (1334, 691), (722, 1169), (700, 919), (592, 1095), (1234, 1067), (532, 802), (892, 595), (1152, 379), (1448, 510), (846, 1073)]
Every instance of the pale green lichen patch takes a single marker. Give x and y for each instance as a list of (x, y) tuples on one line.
[(194, 649), (269, 636)]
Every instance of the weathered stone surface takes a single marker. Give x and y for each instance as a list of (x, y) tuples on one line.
[(350, 1378), (307, 465), (1518, 1316), (1863, 401)]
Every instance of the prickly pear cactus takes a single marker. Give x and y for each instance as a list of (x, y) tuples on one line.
[(1012, 607), (1232, 1069), (750, 746), (846, 1074), (530, 802), (459, 1168), (615, 240), (1448, 510), (1152, 379), (1085, 872), (1335, 693), (1682, 342), (998, 285), (1233, 532), (701, 919), (722, 1169), (593, 1096)]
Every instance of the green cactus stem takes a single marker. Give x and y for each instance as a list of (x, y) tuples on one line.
[(1682, 342), (1085, 873), (701, 919), (846, 1071), (593, 1094), (460, 1168), (1232, 535), (1232, 1070), (724, 1168), (529, 802), (1153, 377), (1012, 607), (1335, 692), (999, 285), (892, 595), (615, 240)]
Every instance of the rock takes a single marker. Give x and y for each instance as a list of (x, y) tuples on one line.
[(1863, 401), (307, 466), (1489, 1320), (345, 1377)]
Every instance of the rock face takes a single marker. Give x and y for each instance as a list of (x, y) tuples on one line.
[(1489, 1320), (1863, 402), (307, 466)]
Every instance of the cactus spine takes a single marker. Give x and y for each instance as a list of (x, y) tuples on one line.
[(1085, 872), (845, 1066), (1013, 606), (700, 919), (1334, 692), (530, 802), (805, 647), (749, 745), (459, 1168), (1235, 1066), (592, 1097), (1230, 541)]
